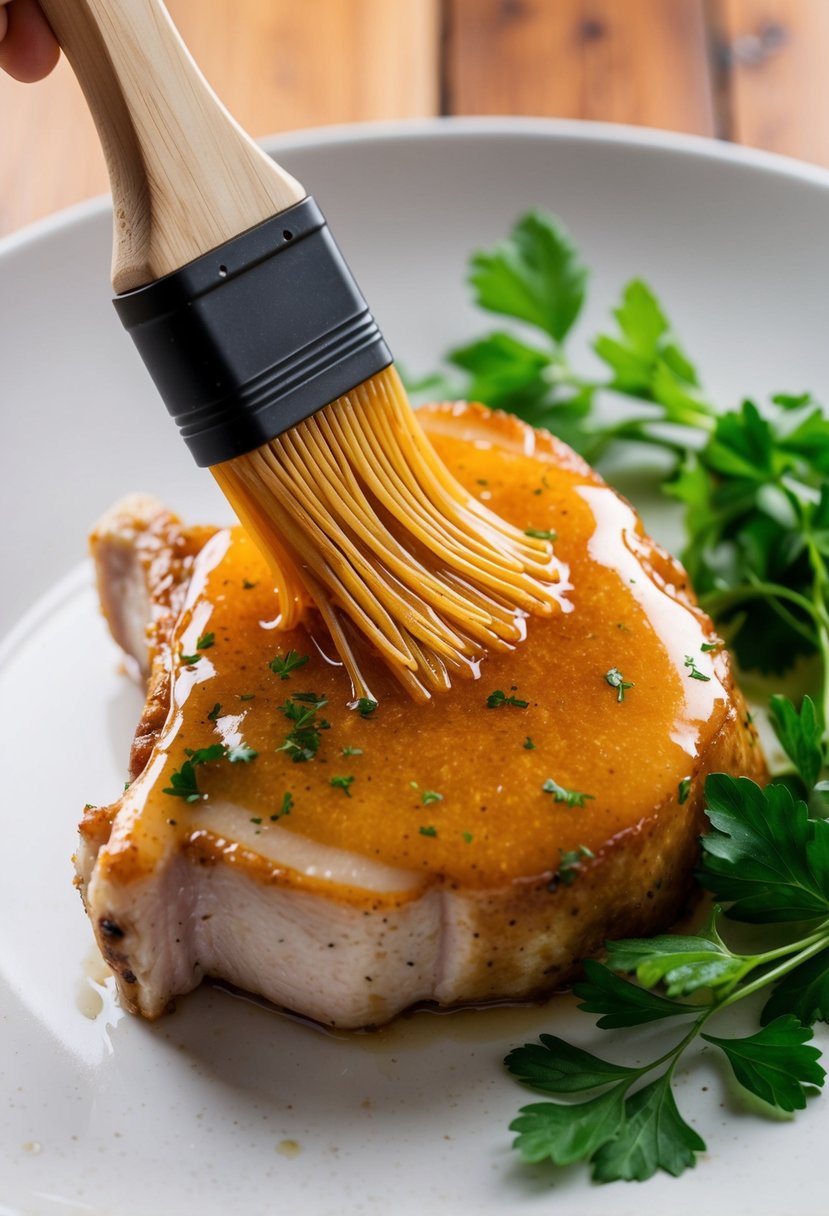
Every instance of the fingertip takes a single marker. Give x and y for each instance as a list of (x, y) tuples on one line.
[(29, 49)]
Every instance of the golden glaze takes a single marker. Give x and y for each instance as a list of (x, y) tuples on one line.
[(628, 609)]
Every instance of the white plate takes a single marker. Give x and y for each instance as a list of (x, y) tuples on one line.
[(225, 1103)]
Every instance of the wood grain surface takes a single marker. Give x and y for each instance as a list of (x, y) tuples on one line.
[(756, 71), (643, 61)]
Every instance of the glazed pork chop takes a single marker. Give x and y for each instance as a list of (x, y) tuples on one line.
[(349, 862)]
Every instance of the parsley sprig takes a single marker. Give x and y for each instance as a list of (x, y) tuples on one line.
[(753, 484), (184, 781), (752, 480), (303, 740), (767, 863)]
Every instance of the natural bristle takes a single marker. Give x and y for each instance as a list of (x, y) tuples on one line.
[(360, 517)]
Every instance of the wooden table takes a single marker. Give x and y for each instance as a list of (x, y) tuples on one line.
[(754, 71)]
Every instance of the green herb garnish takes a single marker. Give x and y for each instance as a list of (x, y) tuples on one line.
[(569, 865), (205, 641), (561, 794), (214, 713), (285, 809), (768, 861), (343, 783), (365, 706), (183, 782), (754, 488), (283, 664), (431, 830), (616, 680), (430, 796), (541, 533), (498, 698), (683, 790), (694, 672), (302, 742), (351, 751)]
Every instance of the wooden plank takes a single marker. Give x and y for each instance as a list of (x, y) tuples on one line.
[(774, 78), (276, 64), (641, 61)]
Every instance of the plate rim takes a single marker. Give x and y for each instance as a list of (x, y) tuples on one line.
[(561, 130)]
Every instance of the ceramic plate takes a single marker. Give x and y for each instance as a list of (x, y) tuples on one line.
[(226, 1104)]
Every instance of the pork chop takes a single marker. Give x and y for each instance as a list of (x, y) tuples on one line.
[(346, 863)]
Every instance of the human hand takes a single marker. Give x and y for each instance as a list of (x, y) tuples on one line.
[(28, 48)]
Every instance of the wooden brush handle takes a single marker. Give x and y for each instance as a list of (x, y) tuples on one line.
[(185, 177)]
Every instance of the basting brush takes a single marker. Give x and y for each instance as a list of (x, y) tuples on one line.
[(269, 360)]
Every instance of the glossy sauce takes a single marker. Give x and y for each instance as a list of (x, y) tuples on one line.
[(493, 822)]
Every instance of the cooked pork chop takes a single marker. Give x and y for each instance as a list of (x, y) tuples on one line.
[(347, 863)]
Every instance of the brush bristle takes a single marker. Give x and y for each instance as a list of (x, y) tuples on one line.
[(358, 515)]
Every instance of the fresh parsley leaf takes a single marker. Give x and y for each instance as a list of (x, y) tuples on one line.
[(800, 735), (682, 964), (283, 664), (695, 673), (535, 274), (303, 741), (616, 680), (763, 852), (652, 1136), (499, 698), (365, 707), (428, 830), (351, 751), (569, 1132), (683, 790), (569, 864), (214, 713), (557, 1067), (183, 781), (560, 794), (774, 1063), (505, 372), (286, 807), (621, 1003), (189, 660), (430, 796), (541, 533), (183, 784), (804, 992), (205, 755), (343, 783), (205, 641), (529, 746)]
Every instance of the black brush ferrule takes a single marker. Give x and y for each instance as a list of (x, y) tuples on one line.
[(246, 341)]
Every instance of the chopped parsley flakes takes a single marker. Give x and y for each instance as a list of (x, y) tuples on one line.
[(286, 808), (695, 673), (283, 664), (562, 794), (616, 680), (498, 698)]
